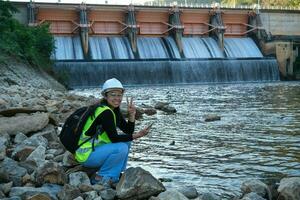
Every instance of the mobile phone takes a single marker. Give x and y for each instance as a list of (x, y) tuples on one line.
[(150, 125)]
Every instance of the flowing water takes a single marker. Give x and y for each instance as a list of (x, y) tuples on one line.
[(258, 135)]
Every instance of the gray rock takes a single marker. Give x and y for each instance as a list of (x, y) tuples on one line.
[(13, 170), (38, 156), (79, 198), (51, 173), (211, 117), (35, 141), (160, 105), (108, 194), (136, 183), (257, 187), (189, 192), (252, 196), (49, 133), (4, 142), (25, 124), (172, 195), (22, 152), (25, 192), (12, 198), (69, 192), (19, 138), (91, 195), (208, 196), (289, 189), (6, 187), (79, 178)]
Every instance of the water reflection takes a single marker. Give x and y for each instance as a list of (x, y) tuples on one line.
[(258, 135)]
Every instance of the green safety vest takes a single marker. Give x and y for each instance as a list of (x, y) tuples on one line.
[(84, 151)]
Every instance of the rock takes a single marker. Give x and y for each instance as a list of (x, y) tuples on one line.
[(25, 124), (12, 198), (171, 195), (36, 141), (49, 133), (160, 105), (6, 187), (37, 156), (208, 196), (189, 192), (69, 192), (136, 183), (51, 173), (13, 111), (13, 170), (108, 194), (257, 187), (50, 190), (90, 195), (85, 188), (79, 178), (211, 117), (21, 153), (165, 107), (39, 197), (19, 138), (252, 196), (4, 142), (69, 160), (289, 189)]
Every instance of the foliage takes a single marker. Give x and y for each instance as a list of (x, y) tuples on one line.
[(34, 44), (280, 3)]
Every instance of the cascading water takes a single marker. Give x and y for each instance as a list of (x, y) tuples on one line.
[(194, 48), (150, 47), (158, 61), (241, 48), (67, 48), (110, 48)]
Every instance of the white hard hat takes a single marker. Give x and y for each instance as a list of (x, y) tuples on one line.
[(111, 84)]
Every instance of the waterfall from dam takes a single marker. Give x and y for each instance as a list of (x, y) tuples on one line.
[(158, 61)]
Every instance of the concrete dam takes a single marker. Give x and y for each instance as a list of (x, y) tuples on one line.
[(148, 45)]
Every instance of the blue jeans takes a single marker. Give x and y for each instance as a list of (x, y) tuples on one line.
[(111, 159)]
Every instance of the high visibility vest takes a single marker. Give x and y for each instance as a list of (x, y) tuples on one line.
[(84, 151)]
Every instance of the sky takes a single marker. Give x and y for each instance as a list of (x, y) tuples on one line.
[(122, 2)]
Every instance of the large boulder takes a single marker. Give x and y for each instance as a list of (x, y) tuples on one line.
[(24, 123), (136, 183), (257, 187), (289, 189)]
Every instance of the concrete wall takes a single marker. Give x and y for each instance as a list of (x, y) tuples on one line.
[(281, 23)]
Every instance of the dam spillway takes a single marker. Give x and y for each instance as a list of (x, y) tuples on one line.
[(159, 62), (155, 45)]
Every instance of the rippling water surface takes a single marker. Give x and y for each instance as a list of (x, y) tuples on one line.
[(258, 135)]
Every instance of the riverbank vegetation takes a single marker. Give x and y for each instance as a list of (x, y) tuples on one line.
[(32, 44)]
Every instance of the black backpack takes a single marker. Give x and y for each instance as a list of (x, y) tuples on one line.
[(72, 128)]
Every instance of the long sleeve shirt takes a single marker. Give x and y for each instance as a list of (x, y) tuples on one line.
[(106, 119)]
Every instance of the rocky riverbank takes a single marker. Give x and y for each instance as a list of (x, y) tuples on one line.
[(34, 165)]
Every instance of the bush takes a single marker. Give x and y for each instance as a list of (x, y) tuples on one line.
[(33, 44)]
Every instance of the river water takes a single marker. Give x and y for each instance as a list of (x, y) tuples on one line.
[(258, 135)]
